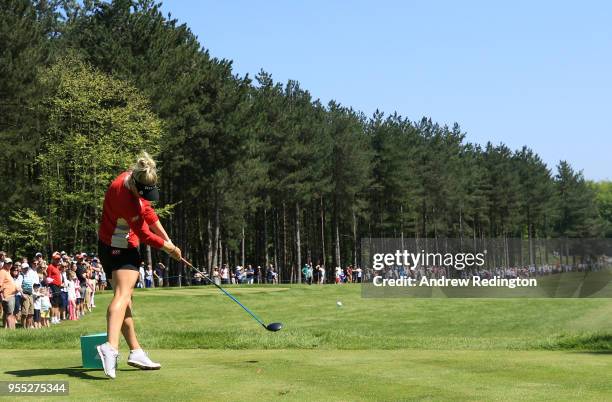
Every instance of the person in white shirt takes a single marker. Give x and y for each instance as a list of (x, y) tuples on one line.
[(225, 275), (71, 290), (141, 278), (29, 279), (37, 296), (338, 274)]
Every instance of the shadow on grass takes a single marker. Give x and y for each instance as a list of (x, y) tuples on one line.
[(75, 372), (597, 352)]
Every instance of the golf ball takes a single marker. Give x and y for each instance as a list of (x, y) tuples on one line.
[(339, 303)]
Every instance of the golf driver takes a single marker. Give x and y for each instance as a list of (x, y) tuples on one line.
[(274, 326)]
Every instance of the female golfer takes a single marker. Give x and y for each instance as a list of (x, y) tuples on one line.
[(127, 219)]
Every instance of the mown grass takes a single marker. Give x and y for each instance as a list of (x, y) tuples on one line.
[(203, 318), (327, 375), (368, 349)]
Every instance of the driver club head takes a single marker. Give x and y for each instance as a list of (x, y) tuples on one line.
[(274, 326)]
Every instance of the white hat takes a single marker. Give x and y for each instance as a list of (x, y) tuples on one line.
[(25, 265), (8, 261)]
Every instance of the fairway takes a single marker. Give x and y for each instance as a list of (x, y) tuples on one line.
[(368, 349), (247, 375)]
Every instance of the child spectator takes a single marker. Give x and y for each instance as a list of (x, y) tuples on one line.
[(80, 299), (37, 296), (71, 291), (45, 307)]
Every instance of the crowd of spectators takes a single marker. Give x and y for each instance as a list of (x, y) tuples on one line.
[(250, 274), (36, 293), (530, 271)]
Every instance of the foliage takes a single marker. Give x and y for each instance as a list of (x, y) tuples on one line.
[(95, 124), (25, 233)]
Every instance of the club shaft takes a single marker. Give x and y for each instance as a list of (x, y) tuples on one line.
[(224, 291)]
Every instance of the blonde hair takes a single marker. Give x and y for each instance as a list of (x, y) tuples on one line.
[(144, 170)]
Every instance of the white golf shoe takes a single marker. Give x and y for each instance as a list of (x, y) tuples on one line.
[(109, 357), (138, 358)]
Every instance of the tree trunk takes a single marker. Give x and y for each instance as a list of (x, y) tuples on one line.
[(149, 259), (355, 238), (322, 234), (242, 247), (285, 239), (210, 247), (279, 270), (267, 257), (297, 242), (338, 245)]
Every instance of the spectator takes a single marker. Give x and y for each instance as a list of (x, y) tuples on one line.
[(17, 280), (45, 307), (149, 277), (141, 277), (359, 273), (250, 273), (305, 272), (30, 278), (159, 274), (81, 274), (321, 274), (7, 293), (258, 274), (238, 274), (37, 297), (309, 274), (54, 279), (64, 306), (272, 276), (92, 283), (339, 274), (225, 275), (216, 276), (72, 295), (102, 282)]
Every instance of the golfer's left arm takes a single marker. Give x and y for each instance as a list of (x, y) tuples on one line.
[(152, 220)]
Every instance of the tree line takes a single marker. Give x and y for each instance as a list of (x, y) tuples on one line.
[(252, 170)]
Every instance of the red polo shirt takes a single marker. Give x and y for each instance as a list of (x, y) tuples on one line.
[(53, 272), (126, 218)]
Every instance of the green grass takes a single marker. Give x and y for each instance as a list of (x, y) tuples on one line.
[(383, 349)]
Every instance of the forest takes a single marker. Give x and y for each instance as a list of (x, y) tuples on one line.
[(253, 171)]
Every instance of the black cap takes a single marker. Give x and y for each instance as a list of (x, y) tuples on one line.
[(149, 193)]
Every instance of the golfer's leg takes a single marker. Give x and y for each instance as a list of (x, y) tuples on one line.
[(123, 282), (127, 329)]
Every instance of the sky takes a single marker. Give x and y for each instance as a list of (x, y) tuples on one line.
[(534, 73)]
